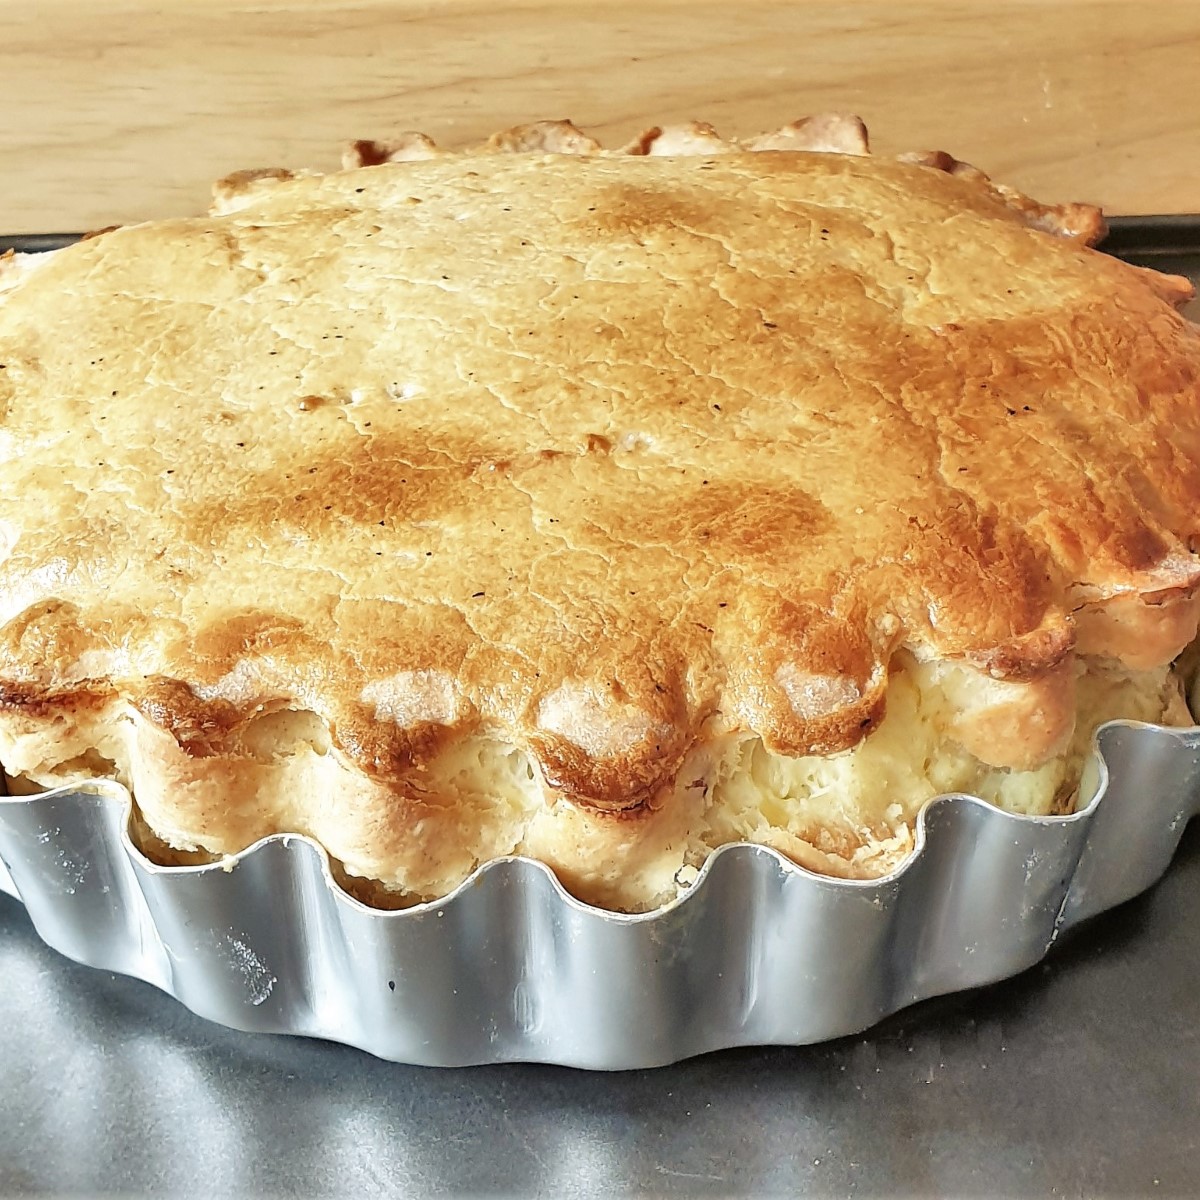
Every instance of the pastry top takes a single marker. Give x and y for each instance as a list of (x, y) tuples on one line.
[(603, 453)]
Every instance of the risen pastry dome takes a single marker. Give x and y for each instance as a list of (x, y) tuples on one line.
[(591, 507)]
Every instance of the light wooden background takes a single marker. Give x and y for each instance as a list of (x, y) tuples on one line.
[(114, 111)]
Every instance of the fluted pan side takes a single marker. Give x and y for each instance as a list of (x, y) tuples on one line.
[(511, 967)]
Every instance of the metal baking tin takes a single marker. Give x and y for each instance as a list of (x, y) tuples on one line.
[(511, 967)]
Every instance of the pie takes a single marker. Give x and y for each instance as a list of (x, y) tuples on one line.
[(599, 507)]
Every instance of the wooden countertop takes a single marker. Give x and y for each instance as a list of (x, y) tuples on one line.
[(124, 111)]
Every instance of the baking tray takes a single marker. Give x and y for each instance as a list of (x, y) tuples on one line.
[(510, 967)]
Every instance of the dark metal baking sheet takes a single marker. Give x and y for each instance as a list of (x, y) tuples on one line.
[(1078, 1078)]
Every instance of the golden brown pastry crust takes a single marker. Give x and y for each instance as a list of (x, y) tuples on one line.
[(597, 455)]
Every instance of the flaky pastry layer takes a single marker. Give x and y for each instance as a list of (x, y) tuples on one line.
[(611, 483)]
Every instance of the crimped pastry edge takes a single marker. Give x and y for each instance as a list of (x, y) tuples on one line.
[(821, 133)]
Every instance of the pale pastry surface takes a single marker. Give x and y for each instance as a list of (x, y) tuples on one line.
[(591, 506)]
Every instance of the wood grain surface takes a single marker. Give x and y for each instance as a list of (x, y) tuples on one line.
[(120, 111)]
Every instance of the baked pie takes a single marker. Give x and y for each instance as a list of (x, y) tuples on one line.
[(599, 507)]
